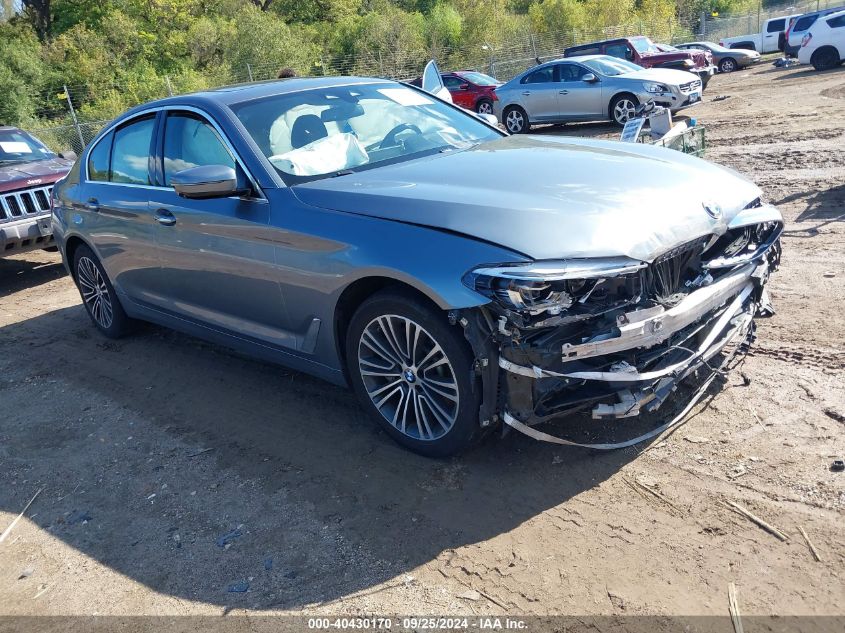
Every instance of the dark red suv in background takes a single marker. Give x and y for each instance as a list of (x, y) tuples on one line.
[(28, 170), (472, 90)]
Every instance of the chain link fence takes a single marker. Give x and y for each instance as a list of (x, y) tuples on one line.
[(66, 131)]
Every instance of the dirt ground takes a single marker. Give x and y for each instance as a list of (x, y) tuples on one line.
[(173, 471)]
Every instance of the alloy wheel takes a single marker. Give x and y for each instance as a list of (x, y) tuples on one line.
[(728, 65), (408, 377), (95, 292), (514, 121), (623, 110), (485, 107)]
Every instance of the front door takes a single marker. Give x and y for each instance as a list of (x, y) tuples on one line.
[(217, 265), (578, 99)]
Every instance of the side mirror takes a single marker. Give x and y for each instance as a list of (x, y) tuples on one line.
[(590, 78), (207, 181), (432, 82), (68, 155), (463, 87)]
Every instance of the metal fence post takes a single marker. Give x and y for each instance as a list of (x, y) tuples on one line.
[(169, 87), (75, 120), (703, 24), (249, 71)]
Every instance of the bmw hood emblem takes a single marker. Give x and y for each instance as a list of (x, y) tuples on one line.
[(712, 209)]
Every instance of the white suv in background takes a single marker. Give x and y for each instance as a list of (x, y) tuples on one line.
[(823, 45)]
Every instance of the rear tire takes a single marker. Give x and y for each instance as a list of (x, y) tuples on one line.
[(98, 295), (484, 106), (728, 65), (413, 372), (825, 58), (516, 120), (622, 108)]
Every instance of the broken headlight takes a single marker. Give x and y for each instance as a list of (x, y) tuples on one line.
[(549, 286)]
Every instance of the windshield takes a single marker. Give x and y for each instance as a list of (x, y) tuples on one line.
[(610, 66), (665, 48), (332, 131), (644, 45), (480, 79), (17, 146)]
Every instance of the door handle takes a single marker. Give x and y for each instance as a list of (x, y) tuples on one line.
[(563, 92), (93, 205), (165, 217), (526, 93)]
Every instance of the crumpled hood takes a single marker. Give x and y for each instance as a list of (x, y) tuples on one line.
[(32, 174), (549, 197)]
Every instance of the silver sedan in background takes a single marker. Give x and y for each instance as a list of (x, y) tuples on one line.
[(590, 88)]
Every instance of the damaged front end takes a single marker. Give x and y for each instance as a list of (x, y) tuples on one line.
[(616, 336)]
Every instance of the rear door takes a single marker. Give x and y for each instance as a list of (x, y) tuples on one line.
[(114, 213), (578, 99), (539, 91), (770, 37), (217, 260)]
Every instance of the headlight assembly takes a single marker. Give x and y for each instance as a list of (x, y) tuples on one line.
[(548, 287), (653, 87)]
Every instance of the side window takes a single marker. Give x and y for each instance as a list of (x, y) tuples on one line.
[(189, 141), (131, 153), (804, 23), (453, 82), (619, 50), (543, 75), (775, 26), (98, 159), (571, 72), (837, 22)]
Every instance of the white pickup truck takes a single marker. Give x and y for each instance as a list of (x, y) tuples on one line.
[(768, 41)]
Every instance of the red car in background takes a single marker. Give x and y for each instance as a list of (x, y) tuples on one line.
[(472, 90)]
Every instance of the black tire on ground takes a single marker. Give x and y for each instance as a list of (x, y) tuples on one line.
[(825, 58), (515, 120), (405, 390), (484, 106), (98, 295), (728, 65), (626, 102)]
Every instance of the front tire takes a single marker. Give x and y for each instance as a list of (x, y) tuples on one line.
[(98, 295), (825, 58), (413, 372), (516, 120), (622, 108), (484, 106), (728, 65)]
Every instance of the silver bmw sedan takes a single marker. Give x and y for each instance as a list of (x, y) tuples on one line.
[(457, 278)]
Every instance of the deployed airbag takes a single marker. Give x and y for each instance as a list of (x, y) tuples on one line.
[(323, 156)]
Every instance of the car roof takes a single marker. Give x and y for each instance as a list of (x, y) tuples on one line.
[(613, 39), (237, 93), (835, 14)]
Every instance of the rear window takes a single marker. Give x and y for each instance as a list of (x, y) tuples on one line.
[(804, 23), (776, 25), (584, 50)]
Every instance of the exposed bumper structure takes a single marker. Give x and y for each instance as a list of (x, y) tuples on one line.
[(629, 361)]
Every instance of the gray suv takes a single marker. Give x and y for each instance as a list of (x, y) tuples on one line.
[(458, 279)]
